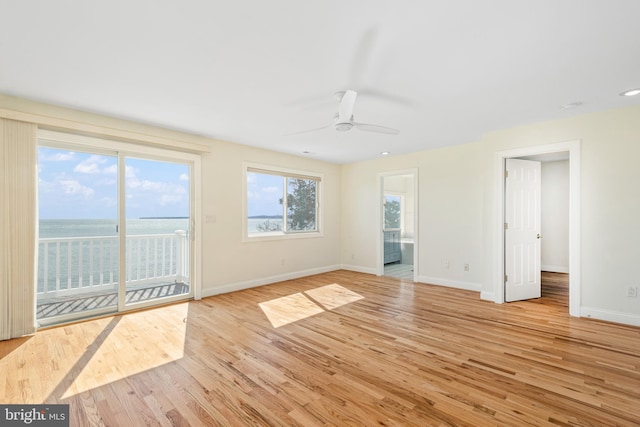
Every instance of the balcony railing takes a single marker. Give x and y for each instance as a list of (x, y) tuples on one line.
[(87, 264)]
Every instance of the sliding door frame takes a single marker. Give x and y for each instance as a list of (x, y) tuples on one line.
[(123, 150)]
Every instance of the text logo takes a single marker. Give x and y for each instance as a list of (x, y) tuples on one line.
[(34, 415)]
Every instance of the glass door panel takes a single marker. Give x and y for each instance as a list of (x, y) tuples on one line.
[(78, 243), (157, 244)]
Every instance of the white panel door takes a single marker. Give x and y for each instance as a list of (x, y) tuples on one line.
[(522, 230)]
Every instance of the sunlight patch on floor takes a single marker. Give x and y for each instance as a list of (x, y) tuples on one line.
[(134, 353), (333, 296), (292, 308)]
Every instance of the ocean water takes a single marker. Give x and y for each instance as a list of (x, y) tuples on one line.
[(50, 228)]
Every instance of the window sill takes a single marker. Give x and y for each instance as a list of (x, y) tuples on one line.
[(278, 235)]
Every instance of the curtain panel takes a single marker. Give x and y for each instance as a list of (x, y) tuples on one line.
[(18, 228)]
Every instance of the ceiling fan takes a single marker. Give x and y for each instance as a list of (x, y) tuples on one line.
[(343, 120)]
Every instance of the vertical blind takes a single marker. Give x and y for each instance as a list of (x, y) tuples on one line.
[(18, 161)]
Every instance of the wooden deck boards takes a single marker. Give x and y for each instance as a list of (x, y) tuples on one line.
[(405, 354), (56, 306)]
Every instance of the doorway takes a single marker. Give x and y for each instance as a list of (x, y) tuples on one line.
[(572, 148), (115, 227), (398, 213)]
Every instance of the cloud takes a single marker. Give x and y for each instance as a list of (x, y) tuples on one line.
[(109, 202), (111, 170), (73, 187), (92, 165), (59, 157), (184, 177)]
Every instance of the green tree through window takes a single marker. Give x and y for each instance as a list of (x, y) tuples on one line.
[(392, 211), (301, 204)]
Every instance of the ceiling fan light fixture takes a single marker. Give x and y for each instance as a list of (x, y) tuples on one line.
[(631, 92), (343, 127)]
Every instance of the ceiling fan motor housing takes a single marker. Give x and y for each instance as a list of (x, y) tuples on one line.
[(343, 127)]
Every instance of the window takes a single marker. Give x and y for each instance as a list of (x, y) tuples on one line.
[(281, 202), (392, 211)]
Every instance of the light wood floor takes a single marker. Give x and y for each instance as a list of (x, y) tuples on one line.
[(400, 271), (402, 354)]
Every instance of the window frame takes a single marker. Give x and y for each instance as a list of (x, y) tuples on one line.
[(283, 173)]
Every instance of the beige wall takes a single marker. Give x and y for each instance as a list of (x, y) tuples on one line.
[(228, 263), (449, 214), (456, 209), (610, 203)]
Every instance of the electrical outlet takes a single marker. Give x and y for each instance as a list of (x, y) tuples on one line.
[(446, 265), (466, 267), (632, 291)]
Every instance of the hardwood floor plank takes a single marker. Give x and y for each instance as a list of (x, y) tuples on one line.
[(404, 354)]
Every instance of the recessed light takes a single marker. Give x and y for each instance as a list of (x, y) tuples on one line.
[(632, 92), (385, 153), (571, 105)]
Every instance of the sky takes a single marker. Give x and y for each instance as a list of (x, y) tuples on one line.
[(264, 193), (77, 185)]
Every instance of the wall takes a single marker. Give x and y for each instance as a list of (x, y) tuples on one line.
[(449, 214), (555, 216), (610, 205), (228, 263), (457, 209)]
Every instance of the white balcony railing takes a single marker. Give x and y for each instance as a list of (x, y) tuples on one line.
[(87, 264)]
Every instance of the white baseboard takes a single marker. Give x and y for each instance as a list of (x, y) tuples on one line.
[(232, 287), (610, 316), (359, 269), (469, 286), (555, 268), (487, 296)]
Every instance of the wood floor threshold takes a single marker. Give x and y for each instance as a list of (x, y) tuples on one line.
[(372, 351)]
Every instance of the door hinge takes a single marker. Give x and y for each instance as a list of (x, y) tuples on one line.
[(506, 226), (506, 278), (506, 174)]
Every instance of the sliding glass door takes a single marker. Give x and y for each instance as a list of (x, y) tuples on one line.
[(157, 255), (115, 228), (78, 248)]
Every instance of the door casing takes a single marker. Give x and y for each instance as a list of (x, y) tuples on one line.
[(380, 221), (573, 147)]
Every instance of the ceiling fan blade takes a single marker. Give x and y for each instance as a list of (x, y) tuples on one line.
[(308, 130), (376, 128), (345, 110)]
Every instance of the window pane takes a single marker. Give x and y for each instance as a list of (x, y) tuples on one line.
[(391, 211), (301, 204), (265, 209)]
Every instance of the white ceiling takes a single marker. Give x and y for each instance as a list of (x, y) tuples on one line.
[(443, 72)]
